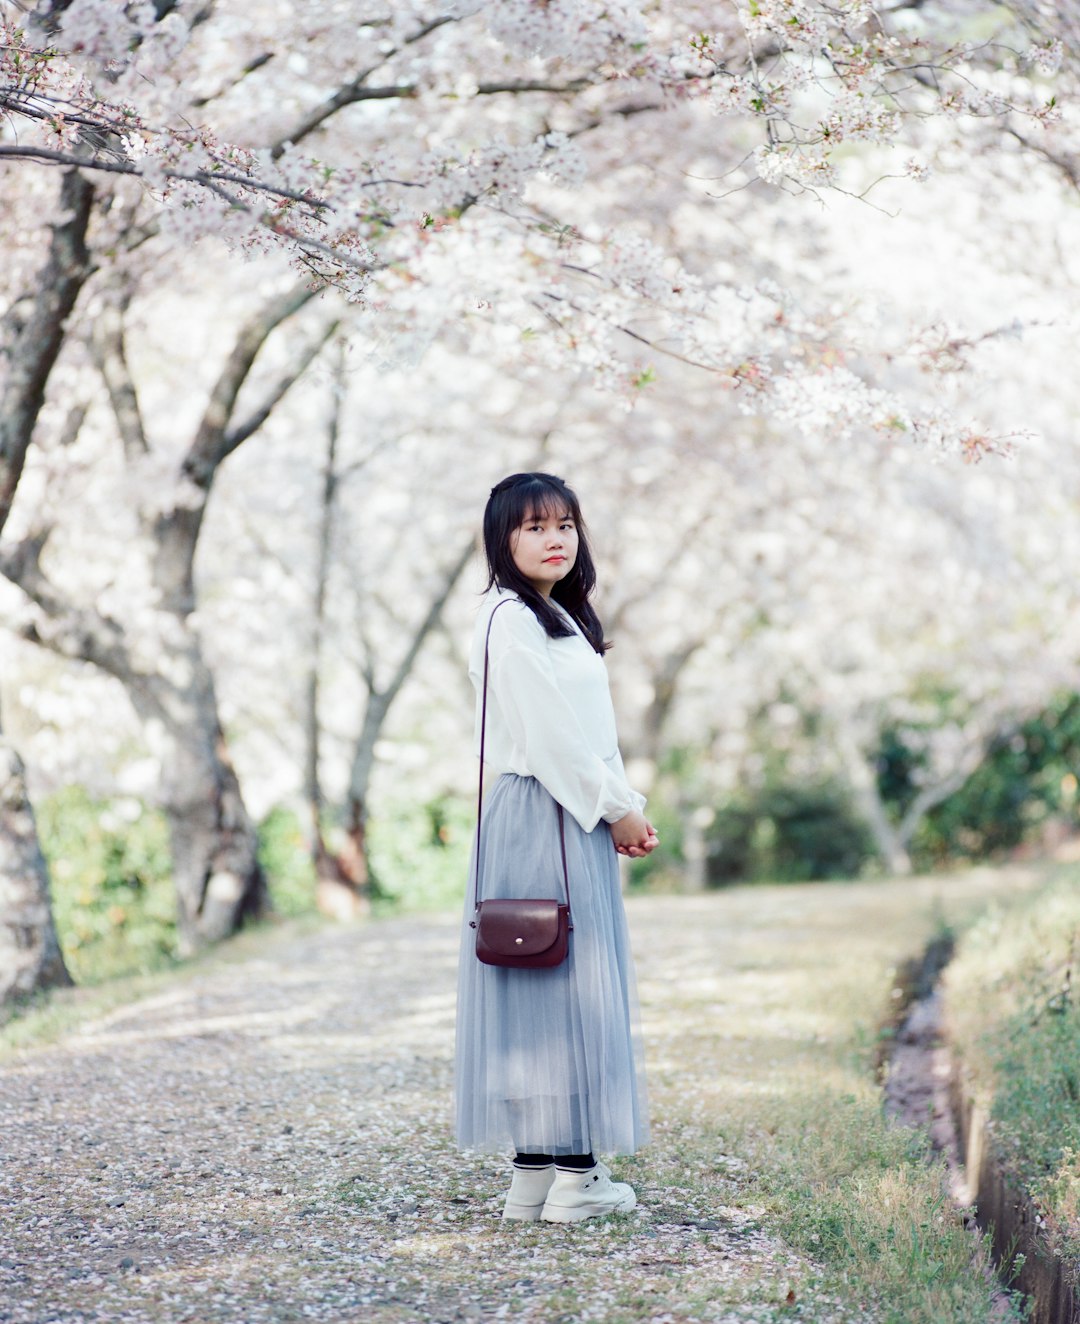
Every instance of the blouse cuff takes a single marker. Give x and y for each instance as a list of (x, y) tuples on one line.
[(620, 811)]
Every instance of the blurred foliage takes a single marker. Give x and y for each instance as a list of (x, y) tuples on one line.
[(787, 832), (112, 890), (662, 870), (1028, 778), (419, 853), (111, 874), (286, 862), (114, 903)]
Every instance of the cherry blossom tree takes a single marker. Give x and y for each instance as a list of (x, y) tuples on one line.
[(419, 165), (403, 156)]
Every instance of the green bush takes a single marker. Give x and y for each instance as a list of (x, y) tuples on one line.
[(111, 870), (419, 853), (112, 890), (286, 861), (788, 832), (1027, 778), (418, 856)]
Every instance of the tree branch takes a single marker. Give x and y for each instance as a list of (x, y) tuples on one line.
[(1069, 167), (380, 701), (176, 530), (451, 577), (537, 85), (355, 90), (235, 436), (110, 354), (929, 797), (210, 445), (644, 589), (70, 631), (207, 178)]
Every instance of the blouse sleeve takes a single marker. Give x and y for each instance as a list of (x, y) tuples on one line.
[(544, 727), (639, 801)]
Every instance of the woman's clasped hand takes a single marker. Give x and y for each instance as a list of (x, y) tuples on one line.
[(634, 835)]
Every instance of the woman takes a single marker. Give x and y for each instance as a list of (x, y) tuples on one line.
[(550, 1060)]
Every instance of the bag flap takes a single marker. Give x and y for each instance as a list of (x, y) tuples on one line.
[(516, 927)]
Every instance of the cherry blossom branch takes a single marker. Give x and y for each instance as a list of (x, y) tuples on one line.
[(355, 90), (1068, 166), (210, 179)]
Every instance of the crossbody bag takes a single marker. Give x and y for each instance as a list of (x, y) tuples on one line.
[(519, 932)]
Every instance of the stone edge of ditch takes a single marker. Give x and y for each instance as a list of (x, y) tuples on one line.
[(1002, 1208), (1007, 1212)]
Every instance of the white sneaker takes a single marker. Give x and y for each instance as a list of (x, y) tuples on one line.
[(589, 1194), (528, 1191)]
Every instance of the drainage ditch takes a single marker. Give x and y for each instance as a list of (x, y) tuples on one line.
[(923, 1088)]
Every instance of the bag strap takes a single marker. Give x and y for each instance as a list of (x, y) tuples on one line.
[(480, 787)]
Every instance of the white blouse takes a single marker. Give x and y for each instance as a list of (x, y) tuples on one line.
[(549, 712)]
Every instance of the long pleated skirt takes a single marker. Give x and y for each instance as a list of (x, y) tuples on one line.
[(549, 1061)]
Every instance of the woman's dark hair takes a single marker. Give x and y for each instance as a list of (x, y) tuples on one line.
[(513, 502)]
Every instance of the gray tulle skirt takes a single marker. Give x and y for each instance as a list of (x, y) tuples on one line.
[(549, 1061)]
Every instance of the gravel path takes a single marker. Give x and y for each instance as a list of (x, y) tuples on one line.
[(267, 1139)]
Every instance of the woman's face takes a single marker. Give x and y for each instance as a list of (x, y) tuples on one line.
[(544, 549)]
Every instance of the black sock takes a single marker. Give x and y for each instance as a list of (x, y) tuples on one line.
[(532, 1160), (575, 1162)]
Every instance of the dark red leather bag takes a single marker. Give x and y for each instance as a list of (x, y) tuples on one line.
[(529, 935), (519, 932)]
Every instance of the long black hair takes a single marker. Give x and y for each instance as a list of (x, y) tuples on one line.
[(512, 503)]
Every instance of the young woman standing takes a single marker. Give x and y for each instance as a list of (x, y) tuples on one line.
[(550, 1061)]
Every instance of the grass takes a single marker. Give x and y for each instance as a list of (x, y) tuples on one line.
[(1013, 1003), (766, 1049)]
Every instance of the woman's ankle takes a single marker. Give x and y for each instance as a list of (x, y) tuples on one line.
[(575, 1162), (533, 1161)]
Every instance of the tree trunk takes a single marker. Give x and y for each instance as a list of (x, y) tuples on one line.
[(219, 882), (341, 881), (30, 956), (695, 877), (862, 780), (351, 862)]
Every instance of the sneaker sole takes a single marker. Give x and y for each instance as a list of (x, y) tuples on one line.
[(526, 1213), (575, 1213)]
